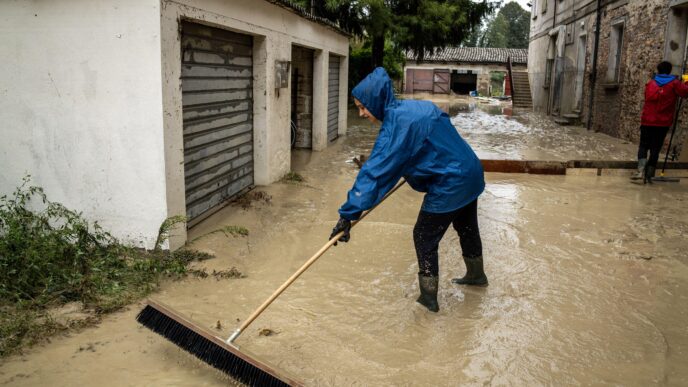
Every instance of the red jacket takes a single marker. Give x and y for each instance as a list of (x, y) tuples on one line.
[(660, 102)]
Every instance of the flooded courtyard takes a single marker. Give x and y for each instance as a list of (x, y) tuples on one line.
[(588, 280)]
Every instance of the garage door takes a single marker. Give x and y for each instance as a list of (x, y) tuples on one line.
[(333, 99), (218, 119), (419, 80), (441, 79)]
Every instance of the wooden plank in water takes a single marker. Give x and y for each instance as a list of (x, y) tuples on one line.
[(525, 166)]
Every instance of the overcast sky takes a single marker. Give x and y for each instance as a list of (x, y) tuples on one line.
[(522, 3)]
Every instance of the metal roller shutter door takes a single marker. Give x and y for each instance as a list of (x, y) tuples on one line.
[(333, 99), (217, 89)]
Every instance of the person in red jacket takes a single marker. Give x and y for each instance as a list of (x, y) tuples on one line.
[(661, 93)]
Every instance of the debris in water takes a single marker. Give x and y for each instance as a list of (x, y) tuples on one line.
[(218, 274), (231, 273), (360, 161), (200, 273), (266, 332), (247, 200), (293, 177), (90, 347)]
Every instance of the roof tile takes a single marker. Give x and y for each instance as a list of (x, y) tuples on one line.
[(474, 55)]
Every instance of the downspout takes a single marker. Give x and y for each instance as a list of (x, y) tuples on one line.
[(593, 75), (556, 92), (554, 17)]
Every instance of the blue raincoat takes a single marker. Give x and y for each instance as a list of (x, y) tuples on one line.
[(416, 141)]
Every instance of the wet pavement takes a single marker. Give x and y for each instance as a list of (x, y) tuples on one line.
[(588, 284), (496, 131)]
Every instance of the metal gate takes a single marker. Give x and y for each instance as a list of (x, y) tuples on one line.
[(217, 72), (419, 80), (440, 81), (333, 99)]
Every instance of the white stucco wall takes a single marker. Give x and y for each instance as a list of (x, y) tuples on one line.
[(274, 31), (91, 101), (81, 110)]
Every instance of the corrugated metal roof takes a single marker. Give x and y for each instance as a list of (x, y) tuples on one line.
[(474, 55), (303, 12)]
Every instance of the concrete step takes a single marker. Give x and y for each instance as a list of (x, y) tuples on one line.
[(562, 121), (571, 116)]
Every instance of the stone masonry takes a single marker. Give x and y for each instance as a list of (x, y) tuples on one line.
[(650, 31)]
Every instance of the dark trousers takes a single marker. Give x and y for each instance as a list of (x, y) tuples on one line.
[(430, 229), (652, 139)]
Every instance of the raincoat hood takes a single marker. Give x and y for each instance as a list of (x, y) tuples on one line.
[(662, 79), (375, 93)]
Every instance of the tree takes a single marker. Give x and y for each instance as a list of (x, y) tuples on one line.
[(429, 25), (497, 33), (510, 29), (420, 25)]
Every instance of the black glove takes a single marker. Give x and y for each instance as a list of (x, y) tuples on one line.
[(342, 225)]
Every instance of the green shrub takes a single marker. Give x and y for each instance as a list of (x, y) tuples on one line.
[(50, 255)]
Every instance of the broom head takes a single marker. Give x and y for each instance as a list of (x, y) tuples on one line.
[(211, 349)]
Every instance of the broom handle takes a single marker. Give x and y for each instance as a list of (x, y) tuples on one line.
[(303, 268)]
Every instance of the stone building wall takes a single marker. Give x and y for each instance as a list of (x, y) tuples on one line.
[(649, 34), (617, 112), (609, 96), (587, 82)]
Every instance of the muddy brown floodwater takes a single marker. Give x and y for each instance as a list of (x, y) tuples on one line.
[(588, 285)]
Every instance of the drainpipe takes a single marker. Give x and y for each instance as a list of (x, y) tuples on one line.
[(593, 76)]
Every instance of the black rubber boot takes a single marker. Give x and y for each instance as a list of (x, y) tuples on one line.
[(649, 174), (428, 292), (474, 272)]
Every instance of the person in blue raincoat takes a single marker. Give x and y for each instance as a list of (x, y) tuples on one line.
[(417, 141)]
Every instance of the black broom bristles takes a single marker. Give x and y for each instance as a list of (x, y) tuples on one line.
[(206, 350)]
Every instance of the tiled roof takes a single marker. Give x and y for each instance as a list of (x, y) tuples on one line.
[(303, 12), (474, 55)]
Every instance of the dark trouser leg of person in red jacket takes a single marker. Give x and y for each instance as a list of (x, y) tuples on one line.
[(652, 139), (643, 148), (656, 142)]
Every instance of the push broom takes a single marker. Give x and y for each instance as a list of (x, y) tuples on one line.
[(223, 354), (661, 177)]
